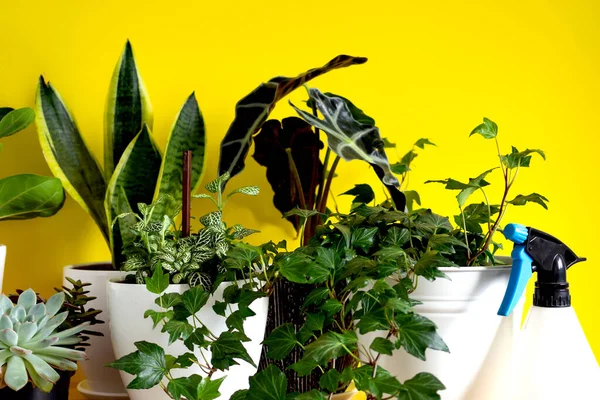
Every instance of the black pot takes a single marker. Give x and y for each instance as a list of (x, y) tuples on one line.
[(60, 391)]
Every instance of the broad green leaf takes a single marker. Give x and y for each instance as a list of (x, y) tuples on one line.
[(387, 144), (129, 363), (281, 341), (186, 360), (316, 296), (68, 156), (177, 329), (521, 200), (400, 168), (301, 269), (128, 109), (383, 346), (227, 348), (488, 129), (422, 142), (239, 395), (158, 282), (187, 133), (429, 223), (328, 346), (363, 237), (347, 137), (184, 387), (168, 300), (377, 383), (362, 193), (254, 109), (137, 186), (194, 299), (314, 323), (518, 158), (157, 316), (397, 236), (328, 258), (208, 389), (475, 215), (310, 395), (330, 380), (412, 196), (153, 366), (269, 384), (466, 189), (416, 334), (15, 121), (427, 266), (331, 306), (445, 243), (423, 386), (28, 196)]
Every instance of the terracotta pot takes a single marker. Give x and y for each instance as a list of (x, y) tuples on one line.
[(100, 382)]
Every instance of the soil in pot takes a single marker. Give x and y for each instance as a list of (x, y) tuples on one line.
[(60, 391)]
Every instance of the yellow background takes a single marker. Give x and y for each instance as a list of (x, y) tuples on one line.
[(436, 68)]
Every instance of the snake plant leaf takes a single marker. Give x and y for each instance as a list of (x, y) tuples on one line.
[(15, 121), (187, 133), (67, 154), (277, 145), (128, 108), (132, 182), (28, 196), (254, 109)]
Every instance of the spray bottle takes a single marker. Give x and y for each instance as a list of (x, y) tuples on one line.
[(554, 359)]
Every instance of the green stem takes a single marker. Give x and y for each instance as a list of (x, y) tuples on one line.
[(487, 202), (462, 214)]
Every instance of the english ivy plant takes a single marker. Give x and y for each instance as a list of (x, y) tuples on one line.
[(489, 214), (26, 196), (362, 268)]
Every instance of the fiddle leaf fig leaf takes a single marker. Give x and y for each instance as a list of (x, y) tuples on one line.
[(417, 334), (423, 386), (488, 129), (521, 200), (26, 196), (347, 137), (253, 110), (518, 158), (15, 121), (362, 193), (269, 384)]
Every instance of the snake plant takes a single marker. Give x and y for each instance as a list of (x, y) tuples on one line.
[(134, 170), (26, 196), (31, 347)]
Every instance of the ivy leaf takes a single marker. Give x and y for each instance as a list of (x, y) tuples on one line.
[(363, 237), (194, 299), (521, 200), (299, 268), (363, 193), (186, 360), (397, 236), (316, 296), (130, 363), (331, 306), (301, 213), (423, 386), (330, 380), (184, 387), (399, 168), (269, 384), (310, 395), (475, 215), (168, 300), (197, 338), (412, 196), (157, 316), (240, 395), (466, 189), (281, 341), (177, 329), (208, 389), (517, 158), (429, 223), (328, 346), (445, 243), (387, 144), (422, 142), (428, 265), (377, 384), (488, 129), (416, 334), (391, 252), (314, 323), (153, 366), (327, 258), (158, 282), (227, 348), (383, 346)]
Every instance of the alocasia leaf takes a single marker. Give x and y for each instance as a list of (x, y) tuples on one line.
[(423, 386), (276, 145), (521, 200), (254, 109), (347, 137), (357, 113)]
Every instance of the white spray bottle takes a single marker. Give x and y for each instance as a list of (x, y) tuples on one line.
[(554, 361)]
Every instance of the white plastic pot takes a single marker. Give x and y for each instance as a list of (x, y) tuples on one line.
[(127, 304), (2, 261), (481, 343), (100, 382)]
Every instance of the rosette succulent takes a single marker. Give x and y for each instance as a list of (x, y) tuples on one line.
[(31, 347)]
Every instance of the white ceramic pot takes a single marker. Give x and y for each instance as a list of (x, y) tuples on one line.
[(100, 382), (481, 343), (2, 261), (128, 302)]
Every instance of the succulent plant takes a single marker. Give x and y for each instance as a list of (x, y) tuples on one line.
[(31, 346)]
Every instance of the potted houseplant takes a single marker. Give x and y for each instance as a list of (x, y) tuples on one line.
[(134, 171), (42, 341), (25, 196), (203, 298), (469, 301)]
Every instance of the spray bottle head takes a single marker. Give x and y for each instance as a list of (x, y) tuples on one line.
[(537, 251)]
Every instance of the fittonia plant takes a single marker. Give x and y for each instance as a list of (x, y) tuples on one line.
[(31, 348)]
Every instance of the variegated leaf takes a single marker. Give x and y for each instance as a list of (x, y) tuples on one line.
[(248, 190), (128, 108), (254, 109), (187, 133), (135, 182), (68, 156)]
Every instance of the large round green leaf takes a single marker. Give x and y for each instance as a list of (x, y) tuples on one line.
[(29, 196)]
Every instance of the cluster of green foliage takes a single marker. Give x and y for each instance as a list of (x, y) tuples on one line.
[(363, 267), (195, 260)]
